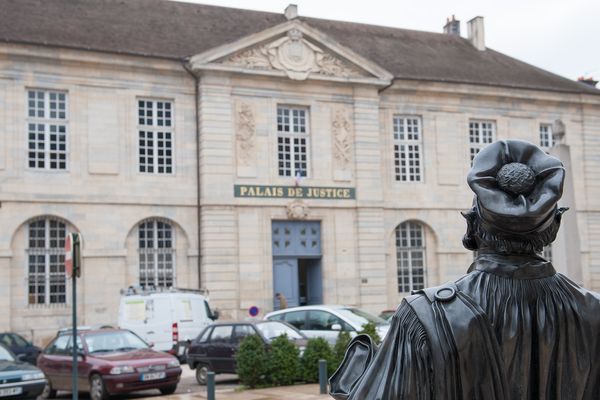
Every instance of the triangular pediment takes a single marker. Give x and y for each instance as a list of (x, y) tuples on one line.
[(294, 50)]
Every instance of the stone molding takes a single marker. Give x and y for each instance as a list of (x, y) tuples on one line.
[(245, 134), (342, 139), (297, 209), (295, 56)]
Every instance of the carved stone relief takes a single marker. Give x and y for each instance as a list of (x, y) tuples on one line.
[(297, 209), (342, 139), (245, 134), (296, 56)]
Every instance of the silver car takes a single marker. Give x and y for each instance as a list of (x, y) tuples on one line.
[(327, 321)]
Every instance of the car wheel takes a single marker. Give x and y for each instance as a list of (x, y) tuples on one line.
[(48, 392), (168, 390), (97, 388), (202, 373)]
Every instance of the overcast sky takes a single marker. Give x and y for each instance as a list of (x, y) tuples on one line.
[(561, 36)]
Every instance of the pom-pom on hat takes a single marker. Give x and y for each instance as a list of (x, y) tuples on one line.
[(517, 186)]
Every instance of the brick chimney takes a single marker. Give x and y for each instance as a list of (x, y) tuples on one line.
[(588, 81), (452, 26), (291, 11), (476, 34)]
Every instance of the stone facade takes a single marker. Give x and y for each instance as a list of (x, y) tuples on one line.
[(224, 242)]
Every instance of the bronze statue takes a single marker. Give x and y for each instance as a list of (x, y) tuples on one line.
[(511, 328)]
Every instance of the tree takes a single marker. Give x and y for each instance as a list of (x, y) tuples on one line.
[(284, 362), (252, 361), (371, 330), (317, 349)]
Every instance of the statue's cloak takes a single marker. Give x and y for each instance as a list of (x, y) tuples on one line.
[(511, 329)]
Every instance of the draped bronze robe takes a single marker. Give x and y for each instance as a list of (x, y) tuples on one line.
[(514, 330)]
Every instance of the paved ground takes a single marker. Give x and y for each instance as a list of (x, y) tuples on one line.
[(187, 385), (296, 392)]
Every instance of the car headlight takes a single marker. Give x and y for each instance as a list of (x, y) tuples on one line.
[(123, 369), (33, 376), (173, 364)]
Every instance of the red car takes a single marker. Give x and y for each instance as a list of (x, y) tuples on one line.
[(111, 361)]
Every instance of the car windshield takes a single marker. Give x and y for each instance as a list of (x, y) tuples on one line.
[(274, 329), (361, 317), (5, 355), (107, 342)]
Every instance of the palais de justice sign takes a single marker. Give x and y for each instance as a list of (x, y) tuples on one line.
[(298, 192)]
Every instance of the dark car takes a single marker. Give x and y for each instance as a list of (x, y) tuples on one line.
[(215, 348), (19, 380), (19, 345), (111, 361)]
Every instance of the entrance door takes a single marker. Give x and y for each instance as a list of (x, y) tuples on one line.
[(297, 263), (285, 281)]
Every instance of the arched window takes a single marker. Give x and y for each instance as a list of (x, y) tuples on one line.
[(157, 253), (410, 256), (46, 280)]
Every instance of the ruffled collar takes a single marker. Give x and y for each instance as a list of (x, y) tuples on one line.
[(513, 266)]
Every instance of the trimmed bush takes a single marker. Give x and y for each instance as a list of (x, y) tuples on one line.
[(284, 362), (339, 350), (371, 330), (316, 349), (252, 361)]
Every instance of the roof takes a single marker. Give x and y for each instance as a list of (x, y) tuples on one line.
[(176, 30)]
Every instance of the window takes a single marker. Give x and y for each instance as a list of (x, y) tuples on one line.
[(410, 256), (155, 127), (47, 282), (324, 321), (292, 141), (407, 149), (156, 254), (221, 333), (47, 130), (59, 346), (546, 139), (481, 133), (241, 331), (296, 318)]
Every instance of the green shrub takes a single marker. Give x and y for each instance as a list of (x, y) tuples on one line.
[(371, 330), (284, 362), (339, 350), (252, 361), (316, 349)]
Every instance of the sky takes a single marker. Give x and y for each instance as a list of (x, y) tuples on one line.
[(560, 36)]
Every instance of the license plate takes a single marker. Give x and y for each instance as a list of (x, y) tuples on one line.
[(11, 391), (153, 375)]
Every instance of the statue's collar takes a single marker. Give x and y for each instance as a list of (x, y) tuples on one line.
[(513, 266)]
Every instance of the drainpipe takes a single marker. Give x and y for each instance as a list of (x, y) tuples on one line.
[(198, 185)]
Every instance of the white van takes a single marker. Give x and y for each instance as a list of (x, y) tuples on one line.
[(166, 319)]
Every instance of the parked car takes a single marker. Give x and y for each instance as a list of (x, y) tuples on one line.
[(111, 361), (19, 345), (19, 380), (216, 347), (327, 321), (168, 320), (387, 314)]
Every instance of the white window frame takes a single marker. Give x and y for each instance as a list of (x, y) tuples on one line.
[(292, 136), (46, 252), (47, 122), (408, 275), (408, 149), (155, 129), (154, 253), (483, 136), (546, 138)]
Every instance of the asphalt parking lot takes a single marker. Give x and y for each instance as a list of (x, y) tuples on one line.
[(187, 385)]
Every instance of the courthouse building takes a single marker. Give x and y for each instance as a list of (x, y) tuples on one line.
[(253, 153)]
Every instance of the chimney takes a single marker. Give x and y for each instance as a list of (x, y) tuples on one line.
[(291, 11), (452, 26), (588, 81), (476, 34)]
